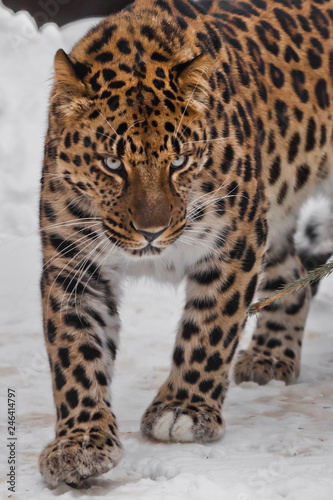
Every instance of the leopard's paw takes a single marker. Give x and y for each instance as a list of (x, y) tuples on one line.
[(79, 456), (260, 368), (177, 423)]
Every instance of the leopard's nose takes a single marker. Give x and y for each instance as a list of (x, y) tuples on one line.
[(152, 234)]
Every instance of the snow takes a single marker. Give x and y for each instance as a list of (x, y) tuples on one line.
[(279, 440)]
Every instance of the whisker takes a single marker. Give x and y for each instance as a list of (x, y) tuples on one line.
[(71, 222), (69, 247), (133, 125), (72, 202), (108, 123), (100, 265), (197, 242), (54, 174), (100, 134), (187, 104), (205, 140), (212, 234), (93, 261), (199, 208), (210, 202), (205, 195), (79, 266), (223, 185), (64, 267), (187, 126), (204, 205), (210, 212)]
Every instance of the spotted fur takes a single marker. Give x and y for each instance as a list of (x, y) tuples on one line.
[(183, 138)]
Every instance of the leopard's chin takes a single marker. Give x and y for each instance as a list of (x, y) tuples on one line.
[(147, 251)]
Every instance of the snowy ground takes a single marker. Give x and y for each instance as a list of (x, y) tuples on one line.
[(279, 440)]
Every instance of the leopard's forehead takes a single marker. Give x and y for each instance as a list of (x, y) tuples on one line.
[(146, 21), (127, 62), (135, 43)]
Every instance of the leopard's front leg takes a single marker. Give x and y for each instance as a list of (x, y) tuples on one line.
[(219, 290), (81, 331)]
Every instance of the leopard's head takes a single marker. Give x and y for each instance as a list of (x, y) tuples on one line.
[(133, 130)]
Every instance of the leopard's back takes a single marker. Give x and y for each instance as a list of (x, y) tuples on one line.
[(284, 56)]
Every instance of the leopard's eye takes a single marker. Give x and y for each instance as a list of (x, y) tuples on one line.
[(178, 162), (112, 163)]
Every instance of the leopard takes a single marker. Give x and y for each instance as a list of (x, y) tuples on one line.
[(183, 138)]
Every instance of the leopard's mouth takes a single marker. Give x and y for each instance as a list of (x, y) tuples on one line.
[(137, 249), (148, 250), (127, 246)]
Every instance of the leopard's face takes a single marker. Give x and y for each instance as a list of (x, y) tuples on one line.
[(136, 151)]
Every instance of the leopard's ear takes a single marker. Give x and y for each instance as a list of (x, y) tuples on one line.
[(70, 95), (64, 71), (192, 77)]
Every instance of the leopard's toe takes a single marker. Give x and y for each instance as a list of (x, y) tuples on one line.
[(176, 423), (260, 368), (78, 457)]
